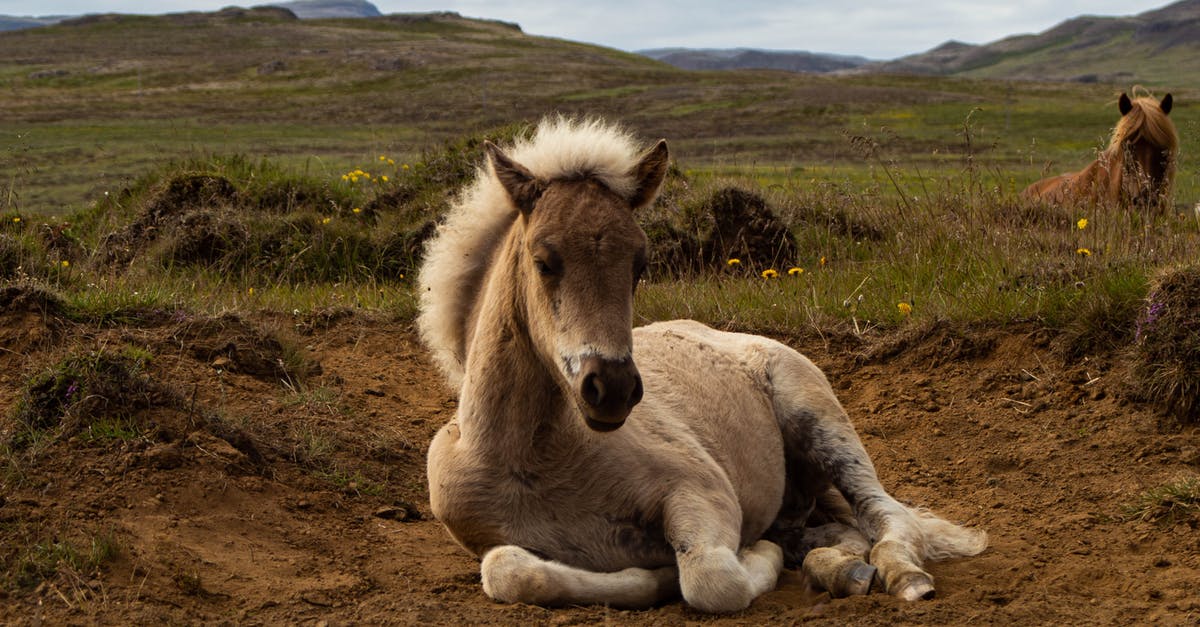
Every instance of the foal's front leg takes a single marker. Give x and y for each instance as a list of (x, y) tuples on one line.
[(704, 527), (512, 574)]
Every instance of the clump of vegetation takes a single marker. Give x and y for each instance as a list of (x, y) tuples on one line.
[(32, 297), (423, 189), (700, 230), (231, 343), (1104, 316), (1175, 502), (30, 563), (86, 388), (1166, 366)]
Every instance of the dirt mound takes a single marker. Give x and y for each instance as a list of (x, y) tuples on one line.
[(314, 508), (231, 343), (731, 223), (744, 227), (31, 317), (204, 237), (167, 205)]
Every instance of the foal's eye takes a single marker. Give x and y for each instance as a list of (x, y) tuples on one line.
[(545, 268)]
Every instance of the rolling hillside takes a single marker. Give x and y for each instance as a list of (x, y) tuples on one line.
[(92, 102), (1159, 47), (95, 100), (748, 58)]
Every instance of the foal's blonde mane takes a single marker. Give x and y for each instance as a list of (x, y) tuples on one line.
[(458, 256)]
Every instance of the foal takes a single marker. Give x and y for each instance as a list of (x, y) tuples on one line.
[(590, 462)]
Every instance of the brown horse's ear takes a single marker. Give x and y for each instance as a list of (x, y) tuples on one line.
[(1124, 104), (1166, 103), (522, 186), (649, 174)]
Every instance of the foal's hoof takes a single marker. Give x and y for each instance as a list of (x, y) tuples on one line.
[(855, 579), (915, 587)]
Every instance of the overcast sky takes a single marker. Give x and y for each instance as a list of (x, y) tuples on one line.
[(879, 29)]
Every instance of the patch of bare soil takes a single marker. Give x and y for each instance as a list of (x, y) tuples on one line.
[(256, 498)]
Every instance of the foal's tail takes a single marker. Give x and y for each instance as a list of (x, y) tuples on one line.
[(943, 539)]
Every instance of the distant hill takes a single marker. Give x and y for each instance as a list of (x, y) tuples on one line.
[(303, 9), (317, 9), (10, 22), (748, 58), (1161, 46)]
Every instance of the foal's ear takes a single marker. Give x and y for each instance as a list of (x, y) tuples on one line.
[(649, 174), (522, 186), (1166, 103), (1124, 104)]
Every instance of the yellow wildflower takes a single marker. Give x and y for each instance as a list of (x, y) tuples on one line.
[(325, 220), (734, 262), (354, 179), (66, 264), (404, 167), (905, 308), (345, 177), (391, 162), (17, 219), (769, 273), (357, 210), (822, 261), (795, 271), (384, 178), (1083, 251), (250, 291), (383, 158), (1082, 224)]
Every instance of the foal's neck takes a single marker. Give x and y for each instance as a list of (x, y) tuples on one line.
[(510, 402)]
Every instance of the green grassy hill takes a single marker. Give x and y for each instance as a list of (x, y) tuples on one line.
[(219, 161), (1159, 48), (88, 105)]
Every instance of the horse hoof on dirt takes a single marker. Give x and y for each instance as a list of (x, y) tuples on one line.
[(915, 587), (856, 579)]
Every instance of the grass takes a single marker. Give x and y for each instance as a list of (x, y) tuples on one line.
[(352, 482), (1167, 504), (40, 560), (156, 187), (952, 244)]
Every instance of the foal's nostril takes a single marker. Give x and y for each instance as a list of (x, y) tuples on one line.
[(635, 395), (592, 390)]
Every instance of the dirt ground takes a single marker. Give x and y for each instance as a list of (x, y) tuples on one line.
[(311, 508)]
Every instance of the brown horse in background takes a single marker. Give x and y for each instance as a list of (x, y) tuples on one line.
[(1136, 170)]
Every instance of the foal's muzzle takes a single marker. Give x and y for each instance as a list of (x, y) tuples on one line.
[(609, 389)]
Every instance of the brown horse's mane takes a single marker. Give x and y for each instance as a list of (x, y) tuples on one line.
[(1145, 121), (457, 258)]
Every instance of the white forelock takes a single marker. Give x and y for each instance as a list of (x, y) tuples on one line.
[(456, 257)]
